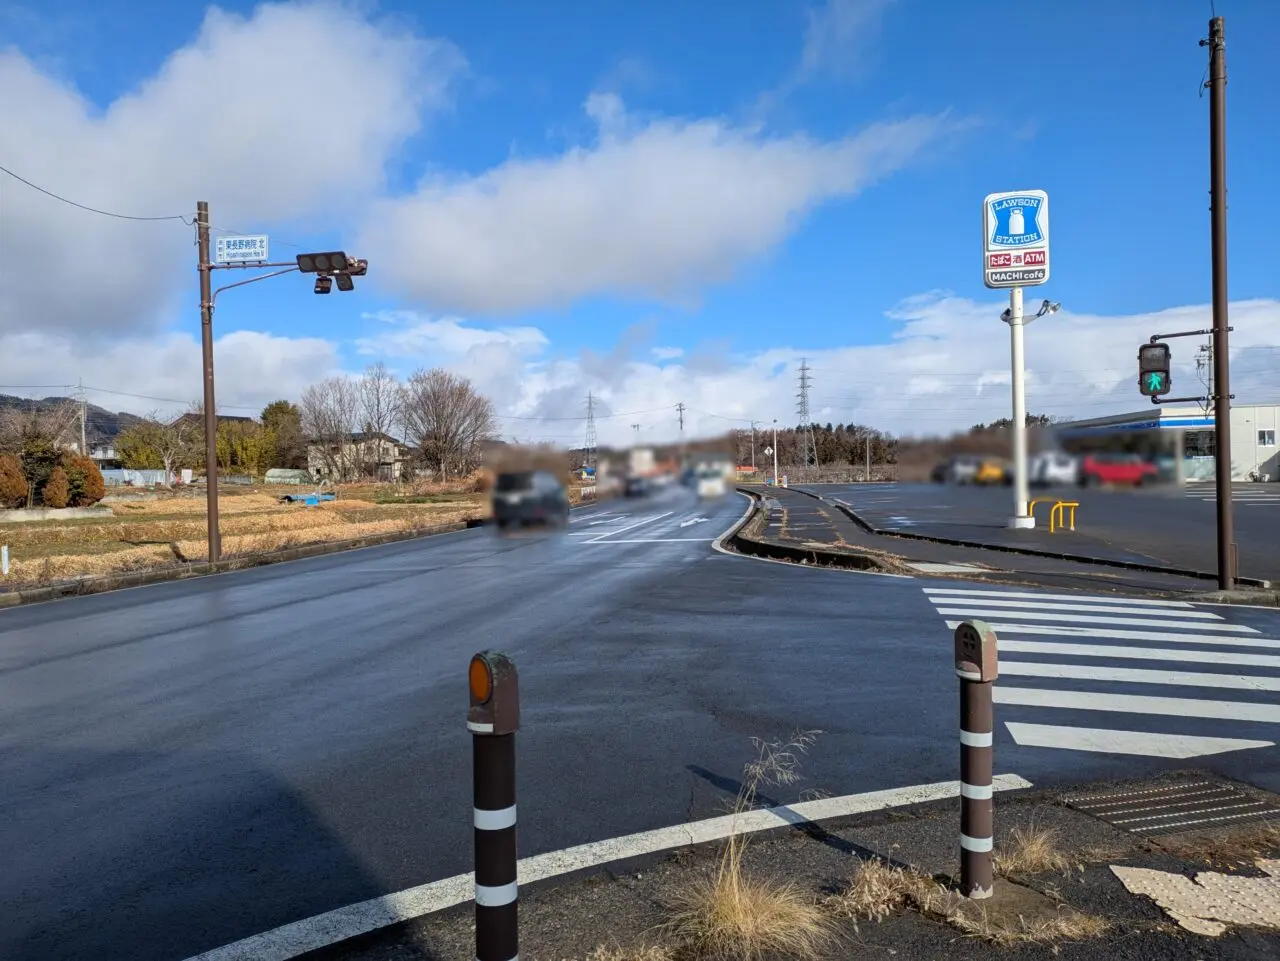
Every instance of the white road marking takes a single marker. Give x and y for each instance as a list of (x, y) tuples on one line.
[(653, 540), (1138, 704), (1031, 596), (623, 530), (300, 937), (1138, 653), (1086, 608), (1091, 619), (695, 520), (1137, 675), (1167, 637), (1101, 741)]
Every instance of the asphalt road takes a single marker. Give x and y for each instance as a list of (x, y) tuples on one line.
[(1169, 526), (195, 762)]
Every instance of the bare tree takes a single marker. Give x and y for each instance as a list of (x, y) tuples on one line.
[(380, 399), (448, 420), (329, 411), (153, 441)]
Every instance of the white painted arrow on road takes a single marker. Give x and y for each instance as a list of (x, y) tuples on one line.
[(1100, 741), (696, 520)]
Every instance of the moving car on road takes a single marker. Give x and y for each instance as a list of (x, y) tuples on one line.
[(711, 482), (1053, 469), (637, 486), (530, 497)]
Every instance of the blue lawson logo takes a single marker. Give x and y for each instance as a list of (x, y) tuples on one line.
[(1016, 222)]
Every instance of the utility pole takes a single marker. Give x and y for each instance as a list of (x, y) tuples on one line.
[(868, 438), (753, 445), (84, 414), (684, 450), (210, 408), (1217, 84), (775, 452)]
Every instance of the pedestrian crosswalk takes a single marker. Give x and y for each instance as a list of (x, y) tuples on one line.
[(1119, 675), (1256, 494)]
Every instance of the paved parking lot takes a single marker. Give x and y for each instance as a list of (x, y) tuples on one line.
[(1170, 526)]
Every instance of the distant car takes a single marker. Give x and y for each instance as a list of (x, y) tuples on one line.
[(1053, 469), (1126, 469), (711, 482), (637, 486), (991, 471), (530, 497), (960, 469)]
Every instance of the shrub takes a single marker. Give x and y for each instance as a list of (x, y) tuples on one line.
[(13, 482), (84, 479), (57, 490)]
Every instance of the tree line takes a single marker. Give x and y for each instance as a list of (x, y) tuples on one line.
[(346, 428), (838, 445)]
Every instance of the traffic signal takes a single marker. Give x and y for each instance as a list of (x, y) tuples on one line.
[(1154, 378), (325, 263)]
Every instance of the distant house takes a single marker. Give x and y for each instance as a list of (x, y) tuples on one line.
[(361, 454)]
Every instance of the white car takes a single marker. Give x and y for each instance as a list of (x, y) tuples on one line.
[(711, 484), (1053, 469)]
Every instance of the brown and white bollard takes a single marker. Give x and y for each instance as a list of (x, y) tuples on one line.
[(492, 720), (976, 668)]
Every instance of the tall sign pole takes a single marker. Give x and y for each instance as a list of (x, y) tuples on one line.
[(1015, 254), (210, 408), (1217, 84)]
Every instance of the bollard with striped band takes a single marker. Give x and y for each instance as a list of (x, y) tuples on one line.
[(976, 668), (492, 720)]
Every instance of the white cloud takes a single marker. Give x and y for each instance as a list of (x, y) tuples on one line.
[(839, 37), (289, 113), (165, 373), (656, 208), (667, 353)]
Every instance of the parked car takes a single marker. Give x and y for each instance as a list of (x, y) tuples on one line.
[(636, 486), (530, 497), (960, 469), (991, 471), (1053, 468), (1127, 469)]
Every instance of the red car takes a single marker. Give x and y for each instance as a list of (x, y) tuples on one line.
[(1130, 469)]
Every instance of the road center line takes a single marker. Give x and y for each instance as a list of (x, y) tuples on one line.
[(322, 930)]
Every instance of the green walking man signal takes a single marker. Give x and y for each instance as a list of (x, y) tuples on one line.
[(1153, 370)]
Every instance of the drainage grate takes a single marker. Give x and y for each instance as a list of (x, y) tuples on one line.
[(1195, 805)]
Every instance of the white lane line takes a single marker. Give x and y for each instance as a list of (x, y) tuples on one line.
[(1138, 653), (1102, 741), (653, 540), (589, 517), (1138, 675), (1084, 608), (623, 530), (291, 940), (1167, 637), (1032, 596), (1138, 704), (1092, 619)]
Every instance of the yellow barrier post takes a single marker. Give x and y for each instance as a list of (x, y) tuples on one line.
[(1057, 515)]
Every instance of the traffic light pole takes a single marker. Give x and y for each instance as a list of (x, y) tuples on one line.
[(1021, 516), (1217, 84)]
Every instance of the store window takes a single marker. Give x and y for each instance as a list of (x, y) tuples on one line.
[(1266, 438)]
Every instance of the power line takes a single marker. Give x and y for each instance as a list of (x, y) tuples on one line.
[(92, 210)]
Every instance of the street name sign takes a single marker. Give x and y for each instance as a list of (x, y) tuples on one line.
[(240, 250), (1015, 239)]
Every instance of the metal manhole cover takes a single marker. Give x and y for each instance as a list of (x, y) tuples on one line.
[(1175, 809)]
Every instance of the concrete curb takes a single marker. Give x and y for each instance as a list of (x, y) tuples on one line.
[(778, 551), (1031, 551), (115, 582)]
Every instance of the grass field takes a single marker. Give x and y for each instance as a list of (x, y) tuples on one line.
[(172, 528)]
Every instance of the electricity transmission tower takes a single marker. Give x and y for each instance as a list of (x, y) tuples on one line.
[(590, 453), (804, 433)]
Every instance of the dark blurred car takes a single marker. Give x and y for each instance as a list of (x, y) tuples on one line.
[(530, 497), (637, 487)]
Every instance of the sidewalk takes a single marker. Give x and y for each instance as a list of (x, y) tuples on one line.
[(800, 521), (876, 885)]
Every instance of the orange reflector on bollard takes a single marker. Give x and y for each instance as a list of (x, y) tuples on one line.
[(481, 680)]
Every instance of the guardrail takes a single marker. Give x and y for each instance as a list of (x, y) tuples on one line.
[(1058, 517)]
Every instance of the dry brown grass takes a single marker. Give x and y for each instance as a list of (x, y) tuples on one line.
[(1239, 846), (878, 890), (56, 552), (730, 914), (1032, 850), (650, 952)]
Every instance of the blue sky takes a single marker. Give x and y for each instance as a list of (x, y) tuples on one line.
[(1098, 103)]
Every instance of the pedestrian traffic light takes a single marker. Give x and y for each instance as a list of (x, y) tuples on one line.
[(1154, 378)]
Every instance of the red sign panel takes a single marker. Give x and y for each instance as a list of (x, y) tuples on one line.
[(1000, 260), (1034, 258)]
